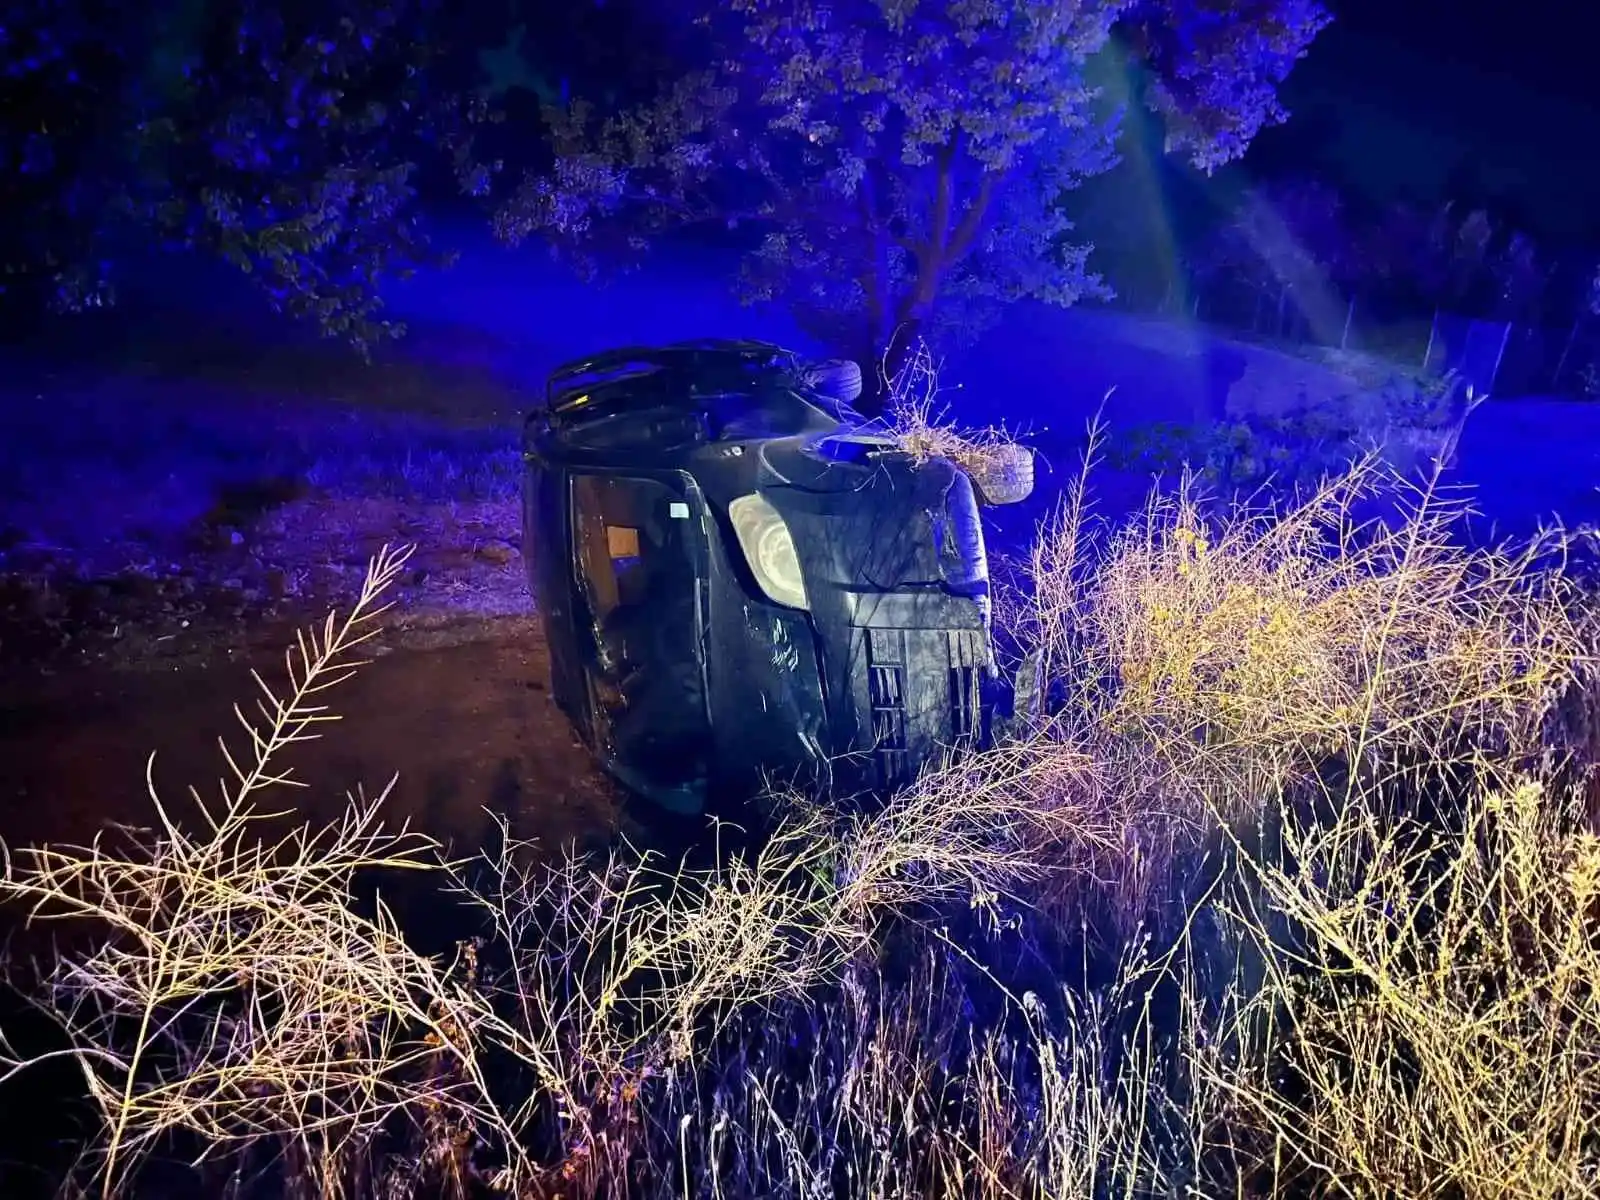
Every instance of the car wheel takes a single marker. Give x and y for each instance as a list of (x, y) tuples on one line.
[(838, 378), (1002, 474)]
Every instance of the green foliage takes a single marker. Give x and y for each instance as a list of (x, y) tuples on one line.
[(61, 62), (1215, 66), (284, 138), (288, 146), (897, 153)]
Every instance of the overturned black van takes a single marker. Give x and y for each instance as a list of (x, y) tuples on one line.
[(743, 582)]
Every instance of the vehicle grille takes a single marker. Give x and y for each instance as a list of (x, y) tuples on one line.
[(913, 717), (966, 707), (887, 683)]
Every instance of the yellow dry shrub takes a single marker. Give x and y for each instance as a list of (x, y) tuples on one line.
[(1445, 1009), (918, 425), (1231, 652)]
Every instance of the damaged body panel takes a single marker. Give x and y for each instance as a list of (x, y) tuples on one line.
[(742, 583)]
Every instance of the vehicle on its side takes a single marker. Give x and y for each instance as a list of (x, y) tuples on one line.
[(743, 582)]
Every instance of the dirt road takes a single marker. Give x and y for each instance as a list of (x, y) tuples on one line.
[(463, 717)]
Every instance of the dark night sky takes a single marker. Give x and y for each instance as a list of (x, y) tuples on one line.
[(1398, 94), (1545, 44)]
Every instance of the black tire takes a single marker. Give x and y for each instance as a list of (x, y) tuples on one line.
[(1003, 475), (838, 379)]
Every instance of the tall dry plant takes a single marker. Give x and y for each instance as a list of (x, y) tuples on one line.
[(747, 1030), (239, 996), (1420, 993), (613, 967), (834, 1011), (1441, 1013), (920, 1075), (1206, 658), (234, 992), (617, 971)]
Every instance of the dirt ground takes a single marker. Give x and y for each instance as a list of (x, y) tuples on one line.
[(461, 713)]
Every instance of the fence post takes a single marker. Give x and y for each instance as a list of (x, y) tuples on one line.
[(1561, 363), (1494, 374)]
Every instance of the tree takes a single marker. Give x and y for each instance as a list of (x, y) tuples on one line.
[(283, 136), (62, 69), (897, 155), (1521, 279), (288, 143), (1463, 259), (1289, 246)]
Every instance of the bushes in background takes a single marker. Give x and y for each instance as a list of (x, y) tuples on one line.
[(1411, 422)]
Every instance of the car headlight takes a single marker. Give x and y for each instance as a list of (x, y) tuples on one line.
[(769, 550)]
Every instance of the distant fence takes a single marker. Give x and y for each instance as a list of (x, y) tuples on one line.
[(1496, 357), (1507, 359), (1474, 350)]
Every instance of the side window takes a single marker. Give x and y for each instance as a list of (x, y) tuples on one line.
[(629, 542)]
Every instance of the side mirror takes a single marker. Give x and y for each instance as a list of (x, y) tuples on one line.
[(1002, 474)]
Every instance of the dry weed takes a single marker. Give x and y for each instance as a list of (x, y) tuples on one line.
[(917, 422), (1425, 949), (619, 969), (824, 1014), (1443, 1008), (925, 1078), (1207, 661), (242, 997), (613, 968), (237, 994)]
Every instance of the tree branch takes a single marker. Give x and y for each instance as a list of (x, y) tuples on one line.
[(944, 250), (939, 229), (972, 220)]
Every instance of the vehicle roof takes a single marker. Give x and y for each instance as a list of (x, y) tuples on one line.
[(689, 359), (759, 385)]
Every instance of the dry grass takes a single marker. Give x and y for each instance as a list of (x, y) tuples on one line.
[(914, 1084), (1216, 666), (1281, 634), (1354, 705), (1441, 1014), (619, 972), (237, 993), (919, 424), (1208, 659), (240, 997), (612, 968), (1392, 994)]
